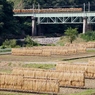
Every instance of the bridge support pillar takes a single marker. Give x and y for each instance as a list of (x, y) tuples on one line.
[(40, 33), (33, 26), (89, 28), (84, 24)]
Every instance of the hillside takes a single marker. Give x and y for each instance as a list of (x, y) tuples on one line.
[(17, 3)]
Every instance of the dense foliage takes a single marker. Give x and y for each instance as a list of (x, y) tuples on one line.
[(88, 36), (18, 27), (56, 3), (7, 22), (27, 42), (11, 27), (9, 43)]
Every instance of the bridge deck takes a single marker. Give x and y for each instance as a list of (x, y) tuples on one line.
[(60, 16)]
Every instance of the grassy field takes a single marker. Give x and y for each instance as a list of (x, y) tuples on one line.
[(9, 66)]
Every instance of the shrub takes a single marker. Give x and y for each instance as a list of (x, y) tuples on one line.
[(88, 36), (9, 44), (29, 42)]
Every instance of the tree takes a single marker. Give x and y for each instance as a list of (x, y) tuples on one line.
[(8, 24), (71, 34)]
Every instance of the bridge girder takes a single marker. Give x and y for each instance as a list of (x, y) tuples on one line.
[(61, 18), (64, 20)]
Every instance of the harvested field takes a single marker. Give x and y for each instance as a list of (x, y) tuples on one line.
[(53, 58), (29, 58), (7, 62)]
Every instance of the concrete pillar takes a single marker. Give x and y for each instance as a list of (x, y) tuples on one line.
[(89, 28), (84, 24), (39, 28), (33, 26), (40, 33)]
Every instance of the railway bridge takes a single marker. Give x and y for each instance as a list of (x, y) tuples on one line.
[(57, 16)]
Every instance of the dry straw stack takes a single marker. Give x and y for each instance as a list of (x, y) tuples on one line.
[(49, 50), (27, 71), (88, 69), (65, 79), (90, 44), (84, 44), (40, 85), (91, 61), (21, 83), (11, 81), (73, 79), (78, 48), (66, 66), (91, 70)]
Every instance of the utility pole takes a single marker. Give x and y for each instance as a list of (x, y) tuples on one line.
[(38, 7), (33, 8), (22, 4), (88, 6), (84, 7)]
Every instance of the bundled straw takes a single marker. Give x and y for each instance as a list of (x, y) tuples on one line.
[(41, 85), (20, 83), (52, 74), (11, 81), (88, 69), (50, 50), (91, 61)]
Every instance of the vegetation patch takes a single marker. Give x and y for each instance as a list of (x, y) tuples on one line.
[(88, 36), (87, 92), (91, 50), (5, 50), (41, 66)]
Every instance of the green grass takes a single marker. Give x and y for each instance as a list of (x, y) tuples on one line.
[(16, 93), (87, 92), (5, 50), (8, 68), (91, 50), (6, 71), (12, 93), (41, 66)]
